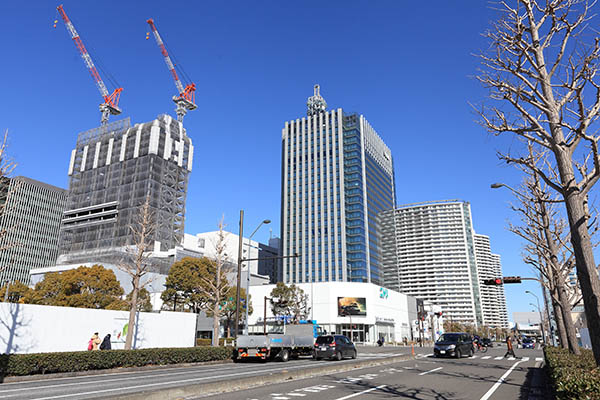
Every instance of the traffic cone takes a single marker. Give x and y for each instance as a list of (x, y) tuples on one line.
[(412, 349)]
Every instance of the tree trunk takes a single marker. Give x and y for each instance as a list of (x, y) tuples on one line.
[(215, 335), (560, 325), (587, 272), (132, 312), (568, 320)]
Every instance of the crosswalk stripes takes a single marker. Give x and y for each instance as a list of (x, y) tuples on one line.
[(498, 358), (474, 356), (525, 359), (486, 357), (539, 359), (511, 359)]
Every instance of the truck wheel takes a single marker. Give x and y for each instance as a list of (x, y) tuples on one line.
[(284, 355)]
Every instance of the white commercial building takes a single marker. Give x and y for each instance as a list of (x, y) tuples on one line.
[(375, 312)]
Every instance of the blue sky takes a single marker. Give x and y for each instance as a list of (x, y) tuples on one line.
[(406, 66)]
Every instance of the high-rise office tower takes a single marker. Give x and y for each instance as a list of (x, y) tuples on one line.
[(337, 175), (29, 225), (493, 300), (113, 169), (429, 253)]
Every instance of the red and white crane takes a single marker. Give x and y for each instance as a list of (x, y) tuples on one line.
[(186, 99), (111, 101)]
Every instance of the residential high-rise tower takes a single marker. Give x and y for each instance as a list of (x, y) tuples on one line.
[(493, 300), (429, 253), (337, 175)]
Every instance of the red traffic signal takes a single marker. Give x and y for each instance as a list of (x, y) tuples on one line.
[(493, 282)]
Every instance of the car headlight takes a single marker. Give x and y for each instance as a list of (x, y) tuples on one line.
[(452, 347)]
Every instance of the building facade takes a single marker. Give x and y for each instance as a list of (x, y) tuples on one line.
[(429, 253), (363, 312), (30, 222), (493, 299), (113, 170), (337, 175)]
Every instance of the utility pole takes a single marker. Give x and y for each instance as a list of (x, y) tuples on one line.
[(239, 273)]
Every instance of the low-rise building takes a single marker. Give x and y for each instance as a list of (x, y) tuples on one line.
[(364, 312)]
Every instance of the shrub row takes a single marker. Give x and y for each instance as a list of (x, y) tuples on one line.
[(45, 363), (208, 342), (571, 376)]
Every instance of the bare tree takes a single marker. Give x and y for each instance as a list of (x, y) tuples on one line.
[(548, 250), (7, 166), (213, 282), (136, 263), (543, 73)]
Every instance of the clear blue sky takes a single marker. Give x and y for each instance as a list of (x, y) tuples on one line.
[(406, 66)]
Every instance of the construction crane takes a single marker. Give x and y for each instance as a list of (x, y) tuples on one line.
[(185, 101), (111, 101)]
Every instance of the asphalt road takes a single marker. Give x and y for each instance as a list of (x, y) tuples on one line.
[(483, 377), (112, 384)]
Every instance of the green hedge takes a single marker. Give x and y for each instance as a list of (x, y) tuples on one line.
[(45, 363), (571, 376)]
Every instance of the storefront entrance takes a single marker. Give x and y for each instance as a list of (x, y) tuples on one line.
[(358, 333)]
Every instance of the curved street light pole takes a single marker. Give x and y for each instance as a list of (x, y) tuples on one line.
[(540, 312)]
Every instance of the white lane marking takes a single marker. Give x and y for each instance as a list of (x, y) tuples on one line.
[(498, 358), (433, 370), (296, 394), (280, 398), (162, 383), (158, 375), (486, 357), (539, 359), (359, 393), (499, 382), (511, 359), (525, 358), (474, 356)]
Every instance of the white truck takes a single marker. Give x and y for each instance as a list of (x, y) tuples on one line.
[(297, 340)]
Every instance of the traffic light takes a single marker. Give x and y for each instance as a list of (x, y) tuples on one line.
[(512, 279), (493, 282)]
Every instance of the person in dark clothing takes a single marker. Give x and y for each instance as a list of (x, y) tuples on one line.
[(105, 345), (509, 348)]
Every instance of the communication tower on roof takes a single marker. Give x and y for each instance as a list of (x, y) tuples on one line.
[(316, 104)]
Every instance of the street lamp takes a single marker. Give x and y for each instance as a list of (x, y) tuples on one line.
[(266, 221), (540, 312)]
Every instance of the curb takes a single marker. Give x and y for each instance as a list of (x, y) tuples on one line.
[(94, 372), (225, 386)]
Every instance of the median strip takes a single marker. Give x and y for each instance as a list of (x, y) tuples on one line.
[(272, 376)]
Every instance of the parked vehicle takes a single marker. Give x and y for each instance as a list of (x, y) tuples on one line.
[(453, 344), (333, 346), (487, 342), (297, 340)]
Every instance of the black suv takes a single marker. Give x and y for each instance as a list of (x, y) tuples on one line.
[(453, 344), (333, 346)]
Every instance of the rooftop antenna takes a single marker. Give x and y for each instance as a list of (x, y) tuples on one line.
[(316, 104)]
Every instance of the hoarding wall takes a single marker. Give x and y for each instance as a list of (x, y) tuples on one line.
[(28, 328)]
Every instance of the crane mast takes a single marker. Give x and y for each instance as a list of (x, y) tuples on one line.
[(111, 101), (186, 99)]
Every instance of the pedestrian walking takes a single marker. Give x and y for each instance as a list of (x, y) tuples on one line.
[(94, 342), (509, 348), (105, 345)]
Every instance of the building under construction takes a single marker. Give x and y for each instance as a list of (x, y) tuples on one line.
[(112, 171)]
